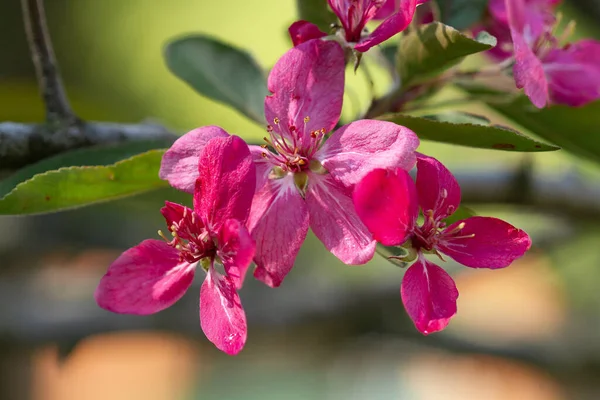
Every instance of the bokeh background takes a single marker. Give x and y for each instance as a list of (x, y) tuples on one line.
[(531, 331)]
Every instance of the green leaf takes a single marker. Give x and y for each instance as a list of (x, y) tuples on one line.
[(97, 155), (317, 12), (389, 52), (220, 72), (468, 130), (575, 129), (462, 14), (72, 187), (432, 48), (393, 254), (461, 212)]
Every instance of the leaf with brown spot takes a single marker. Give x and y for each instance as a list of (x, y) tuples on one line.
[(508, 146), (575, 129)]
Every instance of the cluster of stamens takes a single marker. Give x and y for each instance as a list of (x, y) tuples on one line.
[(553, 38), (426, 237), (292, 148), (190, 237)]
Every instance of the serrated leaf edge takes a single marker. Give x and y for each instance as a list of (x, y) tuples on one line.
[(87, 167), (548, 147)]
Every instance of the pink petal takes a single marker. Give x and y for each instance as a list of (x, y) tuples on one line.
[(387, 204), (278, 223), (528, 70), (307, 81), (179, 164), (178, 215), (574, 73), (429, 296), (516, 15), (437, 188), (334, 221), (497, 10), (227, 181), (263, 166), (359, 147), (339, 7), (387, 9), (483, 242), (536, 14), (144, 279), (221, 314), (236, 250), (390, 6), (303, 31), (392, 25)]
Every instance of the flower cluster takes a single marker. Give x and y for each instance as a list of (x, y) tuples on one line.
[(350, 185), (354, 16), (548, 70)]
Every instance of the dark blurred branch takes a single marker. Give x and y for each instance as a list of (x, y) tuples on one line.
[(564, 194), (46, 68), (23, 144)]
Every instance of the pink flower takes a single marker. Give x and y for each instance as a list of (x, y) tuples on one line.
[(537, 15), (547, 73), (388, 203), (155, 274), (573, 73), (529, 28), (303, 179), (354, 16)]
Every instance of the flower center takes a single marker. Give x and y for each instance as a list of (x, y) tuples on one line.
[(359, 12), (191, 238), (426, 236), (554, 35), (291, 148)]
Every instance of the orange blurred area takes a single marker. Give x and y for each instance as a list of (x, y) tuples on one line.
[(522, 303), (479, 377), (136, 365)]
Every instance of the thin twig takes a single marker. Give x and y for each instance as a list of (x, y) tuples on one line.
[(23, 144), (46, 68)]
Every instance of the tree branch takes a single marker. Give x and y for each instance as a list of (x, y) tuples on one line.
[(23, 144), (558, 194), (51, 87)]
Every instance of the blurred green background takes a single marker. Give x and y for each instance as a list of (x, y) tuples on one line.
[(331, 331)]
